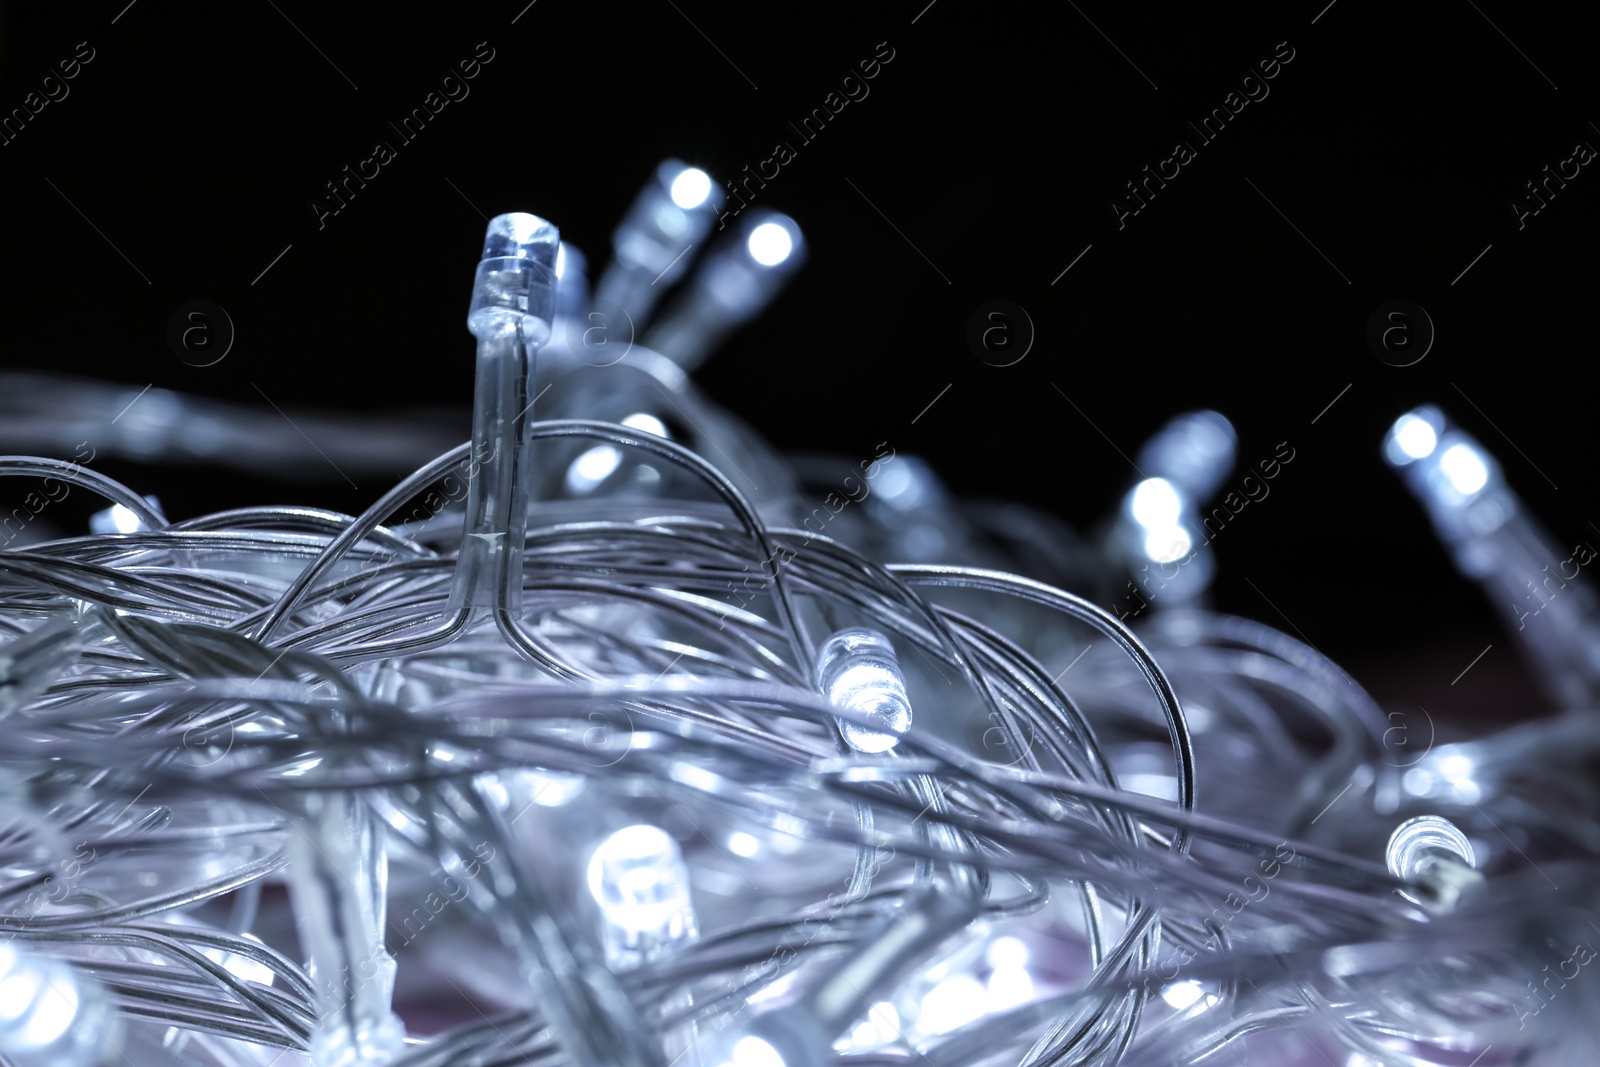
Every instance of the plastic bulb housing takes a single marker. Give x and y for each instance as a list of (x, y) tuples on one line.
[(516, 280), (639, 880), (858, 670), (53, 1016)]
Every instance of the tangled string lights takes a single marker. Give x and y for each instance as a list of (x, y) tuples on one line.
[(575, 749)]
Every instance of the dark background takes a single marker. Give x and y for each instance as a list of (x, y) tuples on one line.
[(978, 168)]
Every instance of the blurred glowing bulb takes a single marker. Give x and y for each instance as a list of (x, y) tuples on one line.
[(1156, 503), (1165, 544), (638, 877), (1186, 994), (952, 1004), (50, 1015), (561, 260), (743, 844), (592, 468), (770, 244), (858, 670), (1008, 952), (751, 1051), (647, 423), (1415, 437), (690, 188), (1465, 469)]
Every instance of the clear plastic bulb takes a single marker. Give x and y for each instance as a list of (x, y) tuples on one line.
[(1431, 851), (739, 277), (857, 670), (1195, 452), (53, 1016), (672, 214), (516, 280), (638, 878), (513, 307)]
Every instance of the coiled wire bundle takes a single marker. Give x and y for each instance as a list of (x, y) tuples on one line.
[(618, 767)]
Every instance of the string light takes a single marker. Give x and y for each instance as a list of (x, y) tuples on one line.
[(630, 763)]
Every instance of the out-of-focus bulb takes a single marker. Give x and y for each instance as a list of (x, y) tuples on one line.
[(1181, 996), (690, 188), (1465, 469), (592, 467), (1155, 503), (953, 1003), (770, 244), (52, 1016), (1414, 438), (639, 879), (1164, 544), (858, 670), (1009, 983), (647, 423), (743, 844)]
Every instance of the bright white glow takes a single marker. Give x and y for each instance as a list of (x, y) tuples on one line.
[(690, 188), (770, 244), (592, 468), (952, 1004), (1156, 503), (638, 877), (1465, 469), (1010, 984), (1415, 437), (52, 1013), (123, 520), (553, 789), (1165, 544), (752, 1051), (242, 966), (1182, 994), (858, 670), (647, 423), (1008, 952), (880, 1027), (16, 995), (743, 844)]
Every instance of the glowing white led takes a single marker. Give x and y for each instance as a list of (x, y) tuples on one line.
[(1165, 544), (770, 244), (1007, 952), (1465, 469), (1181, 995), (690, 188), (751, 1051), (743, 844), (953, 1003), (592, 468), (51, 1015), (638, 877), (857, 670), (647, 423), (1155, 503), (1415, 437)]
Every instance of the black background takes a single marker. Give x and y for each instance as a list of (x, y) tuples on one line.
[(979, 166)]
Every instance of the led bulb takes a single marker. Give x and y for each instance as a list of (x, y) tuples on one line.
[(638, 878), (1194, 453), (1155, 503), (516, 280), (690, 188), (857, 670), (52, 1016), (1431, 851)]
